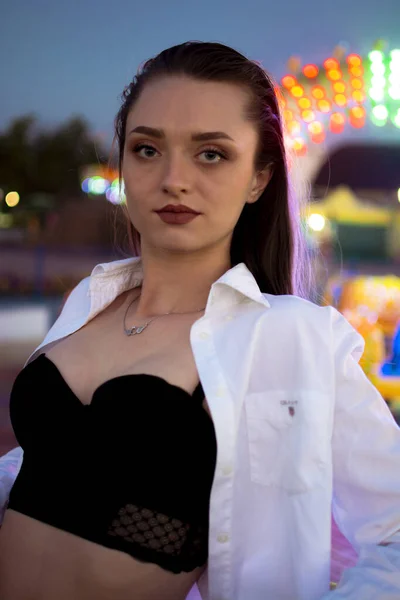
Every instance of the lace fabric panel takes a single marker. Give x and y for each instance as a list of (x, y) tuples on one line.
[(158, 532)]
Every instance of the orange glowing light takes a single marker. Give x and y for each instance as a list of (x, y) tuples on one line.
[(354, 60), (339, 87), (318, 138), (334, 74), (331, 63), (337, 118), (318, 92), (324, 105), (315, 128), (356, 71), (310, 71), (358, 96), (297, 91), (358, 112), (336, 123), (308, 116), (288, 81), (357, 123), (304, 103), (356, 84), (340, 100), (287, 115)]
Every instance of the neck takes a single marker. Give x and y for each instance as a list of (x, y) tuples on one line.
[(177, 283)]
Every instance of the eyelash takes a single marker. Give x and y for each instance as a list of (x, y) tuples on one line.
[(211, 150)]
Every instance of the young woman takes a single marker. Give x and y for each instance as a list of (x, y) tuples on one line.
[(190, 418)]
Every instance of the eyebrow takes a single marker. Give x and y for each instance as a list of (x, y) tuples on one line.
[(196, 137)]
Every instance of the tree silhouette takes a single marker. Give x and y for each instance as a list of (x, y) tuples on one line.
[(37, 162)]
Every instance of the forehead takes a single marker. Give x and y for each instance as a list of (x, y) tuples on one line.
[(179, 104)]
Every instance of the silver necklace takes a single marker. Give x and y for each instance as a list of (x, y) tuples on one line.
[(136, 329)]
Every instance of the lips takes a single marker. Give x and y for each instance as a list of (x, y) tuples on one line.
[(177, 208)]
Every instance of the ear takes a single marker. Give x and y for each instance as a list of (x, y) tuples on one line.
[(260, 182)]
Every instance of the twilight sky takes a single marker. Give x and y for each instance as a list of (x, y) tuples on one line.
[(65, 57)]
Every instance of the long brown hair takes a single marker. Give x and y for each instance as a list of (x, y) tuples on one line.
[(268, 236)]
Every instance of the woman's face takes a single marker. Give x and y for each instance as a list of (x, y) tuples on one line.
[(166, 165)]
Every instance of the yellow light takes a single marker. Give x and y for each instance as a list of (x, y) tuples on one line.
[(297, 91), (356, 71), (398, 194), (356, 84), (288, 115), (334, 74), (12, 199), (299, 146), (339, 87), (358, 112), (316, 222), (358, 96), (308, 116), (324, 105), (354, 60), (340, 100), (318, 92), (293, 127), (304, 103), (315, 128)]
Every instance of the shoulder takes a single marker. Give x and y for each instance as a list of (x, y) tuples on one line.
[(313, 320), (297, 308)]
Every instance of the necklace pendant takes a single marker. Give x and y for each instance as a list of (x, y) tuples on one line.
[(135, 329)]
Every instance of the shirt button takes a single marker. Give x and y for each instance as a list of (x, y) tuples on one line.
[(222, 538), (204, 336), (220, 392), (229, 318)]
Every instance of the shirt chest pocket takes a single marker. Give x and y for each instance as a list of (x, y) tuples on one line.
[(288, 438)]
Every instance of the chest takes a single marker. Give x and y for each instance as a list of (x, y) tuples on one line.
[(101, 351)]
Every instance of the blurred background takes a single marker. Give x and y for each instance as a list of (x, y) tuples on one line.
[(62, 70)]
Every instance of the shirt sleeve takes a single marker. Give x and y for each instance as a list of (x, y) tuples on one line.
[(10, 464), (366, 472)]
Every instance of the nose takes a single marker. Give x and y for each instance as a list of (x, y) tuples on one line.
[(175, 179)]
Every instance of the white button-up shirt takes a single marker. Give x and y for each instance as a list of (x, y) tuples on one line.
[(300, 432)]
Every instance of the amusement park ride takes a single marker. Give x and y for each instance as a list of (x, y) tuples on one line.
[(346, 90)]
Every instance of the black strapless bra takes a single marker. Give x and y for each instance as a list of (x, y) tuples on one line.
[(131, 471)]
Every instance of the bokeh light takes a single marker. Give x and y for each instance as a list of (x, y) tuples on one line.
[(98, 185), (304, 103), (288, 81), (310, 71), (331, 64), (297, 91), (324, 105), (12, 199), (316, 222), (318, 92), (354, 60)]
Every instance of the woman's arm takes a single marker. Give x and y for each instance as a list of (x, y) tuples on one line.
[(366, 462), (10, 465)]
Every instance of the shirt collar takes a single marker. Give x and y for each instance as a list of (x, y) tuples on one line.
[(108, 280)]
